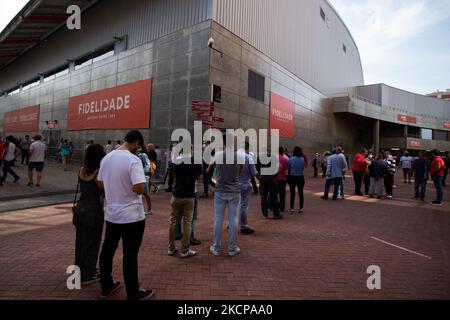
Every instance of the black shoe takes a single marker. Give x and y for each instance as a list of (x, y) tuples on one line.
[(195, 242), (91, 280), (247, 231), (436, 203), (16, 179), (108, 293), (323, 198), (142, 294)]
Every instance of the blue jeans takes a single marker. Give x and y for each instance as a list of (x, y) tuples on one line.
[(337, 183), (438, 185), (221, 202), (341, 188), (245, 193)]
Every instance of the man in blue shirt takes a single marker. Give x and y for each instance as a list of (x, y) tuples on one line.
[(248, 171), (335, 172)]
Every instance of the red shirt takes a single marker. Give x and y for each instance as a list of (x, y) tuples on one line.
[(359, 163), (2, 149), (437, 167), (284, 165)]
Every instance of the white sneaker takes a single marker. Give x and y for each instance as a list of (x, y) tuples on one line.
[(389, 197), (214, 251), (172, 252), (188, 254), (235, 252)]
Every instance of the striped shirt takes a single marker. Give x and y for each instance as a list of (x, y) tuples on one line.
[(391, 164)]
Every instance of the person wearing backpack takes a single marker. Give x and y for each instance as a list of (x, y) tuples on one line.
[(146, 164)]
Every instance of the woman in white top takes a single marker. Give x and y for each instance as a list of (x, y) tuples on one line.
[(11, 152)]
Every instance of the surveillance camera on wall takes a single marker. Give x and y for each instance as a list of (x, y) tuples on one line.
[(210, 42)]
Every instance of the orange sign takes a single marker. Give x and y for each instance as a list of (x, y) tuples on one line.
[(282, 115), (446, 124), (123, 107), (23, 120), (415, 143), (407, 119)]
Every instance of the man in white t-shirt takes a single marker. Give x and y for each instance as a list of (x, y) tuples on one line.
[(406, 162), (122, 176), (108, 147), (11, 151), (37, 157)]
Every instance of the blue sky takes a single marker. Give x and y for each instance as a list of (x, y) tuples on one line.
[(403, 43)]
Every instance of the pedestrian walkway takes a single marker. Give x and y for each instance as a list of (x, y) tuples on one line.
[(321, 254)]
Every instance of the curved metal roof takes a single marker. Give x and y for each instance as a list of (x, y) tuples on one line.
[(37, 20)]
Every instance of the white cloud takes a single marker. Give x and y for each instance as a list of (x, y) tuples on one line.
[(390, 35)]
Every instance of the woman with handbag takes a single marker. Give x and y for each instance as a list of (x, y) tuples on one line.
[(88, 215)]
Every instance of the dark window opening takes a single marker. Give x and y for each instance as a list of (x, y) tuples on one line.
[(344, 48), (256, 85), (322, 14)]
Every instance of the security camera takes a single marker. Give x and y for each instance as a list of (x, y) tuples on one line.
[(210, 42)]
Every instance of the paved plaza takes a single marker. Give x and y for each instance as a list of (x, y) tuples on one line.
[(323, 253)]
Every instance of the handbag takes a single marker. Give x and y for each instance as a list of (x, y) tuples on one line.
[(75, 205)]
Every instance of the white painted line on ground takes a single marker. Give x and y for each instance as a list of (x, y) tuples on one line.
[(401, 248)]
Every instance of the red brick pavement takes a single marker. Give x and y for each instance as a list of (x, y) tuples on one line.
[(321, 254)]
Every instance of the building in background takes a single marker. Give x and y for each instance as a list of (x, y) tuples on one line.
[(444, 95), (290, 65)]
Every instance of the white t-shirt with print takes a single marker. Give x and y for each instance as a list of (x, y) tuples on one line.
[(10, 153), (119, 171)]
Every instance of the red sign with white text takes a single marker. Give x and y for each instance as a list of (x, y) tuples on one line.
[(407, 119), (415, 143), (282, 115), (446, 124), (23, 120), (123, 107)]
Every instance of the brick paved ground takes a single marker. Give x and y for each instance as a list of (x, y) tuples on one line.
[(321, 254)]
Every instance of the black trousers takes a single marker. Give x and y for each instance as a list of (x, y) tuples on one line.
[(299, 183), (131, 235), (269, 196), (282, 194), (25, 156), (87, 246), (358, 177), (7, 169), (389, 184), (316, 173), (255, 187), (366, 179)]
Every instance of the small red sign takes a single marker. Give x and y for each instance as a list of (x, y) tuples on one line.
[(204, 114), (203, 104), (204, 109), (207, 123), (415, 143), (446, 124), (52, 124), (406, 118), (218, 119)]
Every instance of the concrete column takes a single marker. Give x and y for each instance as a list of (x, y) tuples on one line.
[(376, 137)]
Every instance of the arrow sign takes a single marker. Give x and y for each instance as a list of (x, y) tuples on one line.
[(206, 109), (207, 123), (202, 104), (218, 119), (204, 114)]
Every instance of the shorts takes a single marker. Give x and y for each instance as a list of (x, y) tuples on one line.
[(39, 166)]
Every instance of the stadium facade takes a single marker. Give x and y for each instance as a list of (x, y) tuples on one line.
[(285, 64)]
